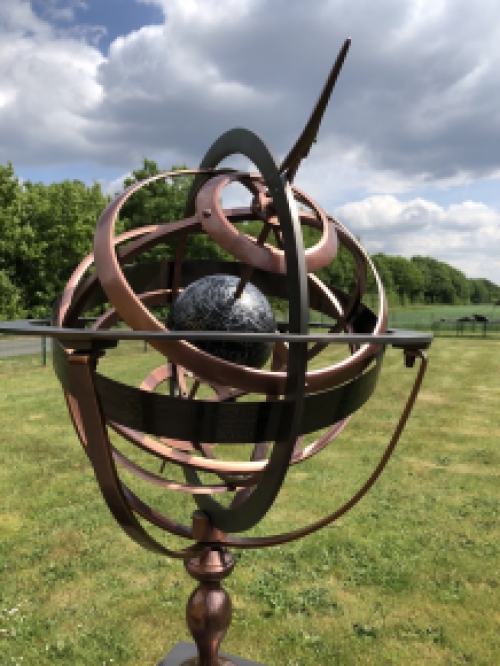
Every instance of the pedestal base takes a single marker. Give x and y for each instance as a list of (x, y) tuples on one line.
[(184, 651)]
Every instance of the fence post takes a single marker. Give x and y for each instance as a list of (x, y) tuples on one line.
[(44, 350)]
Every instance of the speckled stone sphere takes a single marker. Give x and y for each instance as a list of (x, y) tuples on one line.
[(209, 305)]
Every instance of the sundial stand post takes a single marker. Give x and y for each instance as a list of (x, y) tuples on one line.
[(208, 610)]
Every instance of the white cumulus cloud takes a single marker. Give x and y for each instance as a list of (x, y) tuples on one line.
[(465, 235)]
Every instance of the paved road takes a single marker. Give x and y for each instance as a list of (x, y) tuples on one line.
[(21, 346)]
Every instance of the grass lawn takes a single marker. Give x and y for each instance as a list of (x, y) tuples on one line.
[(410, 576)]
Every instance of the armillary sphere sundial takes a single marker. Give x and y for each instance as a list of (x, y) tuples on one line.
[(221, 334)]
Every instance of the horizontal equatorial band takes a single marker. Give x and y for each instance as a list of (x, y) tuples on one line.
[(222, 422), (395, 337)]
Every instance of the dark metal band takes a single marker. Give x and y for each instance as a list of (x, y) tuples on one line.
[(221, 422), (253, 508)]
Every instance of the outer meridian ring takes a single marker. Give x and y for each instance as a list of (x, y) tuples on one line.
[(252, 510)]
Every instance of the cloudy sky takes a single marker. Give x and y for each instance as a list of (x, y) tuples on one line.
[(408, 155)]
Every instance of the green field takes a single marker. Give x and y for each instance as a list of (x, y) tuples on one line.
[(426, 314), (410, 576)]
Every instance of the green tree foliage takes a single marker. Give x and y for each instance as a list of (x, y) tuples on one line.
[(484, 291), (15, 237), (461, 285), (384, 270), (10, 299), (12, 233), (385, 274), (442, 282), (160, 202), (341, 272), (407, 279), (62, 219), (46, 230)]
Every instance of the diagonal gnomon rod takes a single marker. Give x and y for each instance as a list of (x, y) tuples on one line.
[(301, 149)]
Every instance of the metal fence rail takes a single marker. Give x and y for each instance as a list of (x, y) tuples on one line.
[(463, 327)]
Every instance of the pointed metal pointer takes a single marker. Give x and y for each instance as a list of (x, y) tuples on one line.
[(300, 150)]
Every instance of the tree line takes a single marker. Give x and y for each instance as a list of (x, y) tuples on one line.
[(46, 230)]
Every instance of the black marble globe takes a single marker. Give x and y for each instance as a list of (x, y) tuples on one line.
[(209, 304)]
